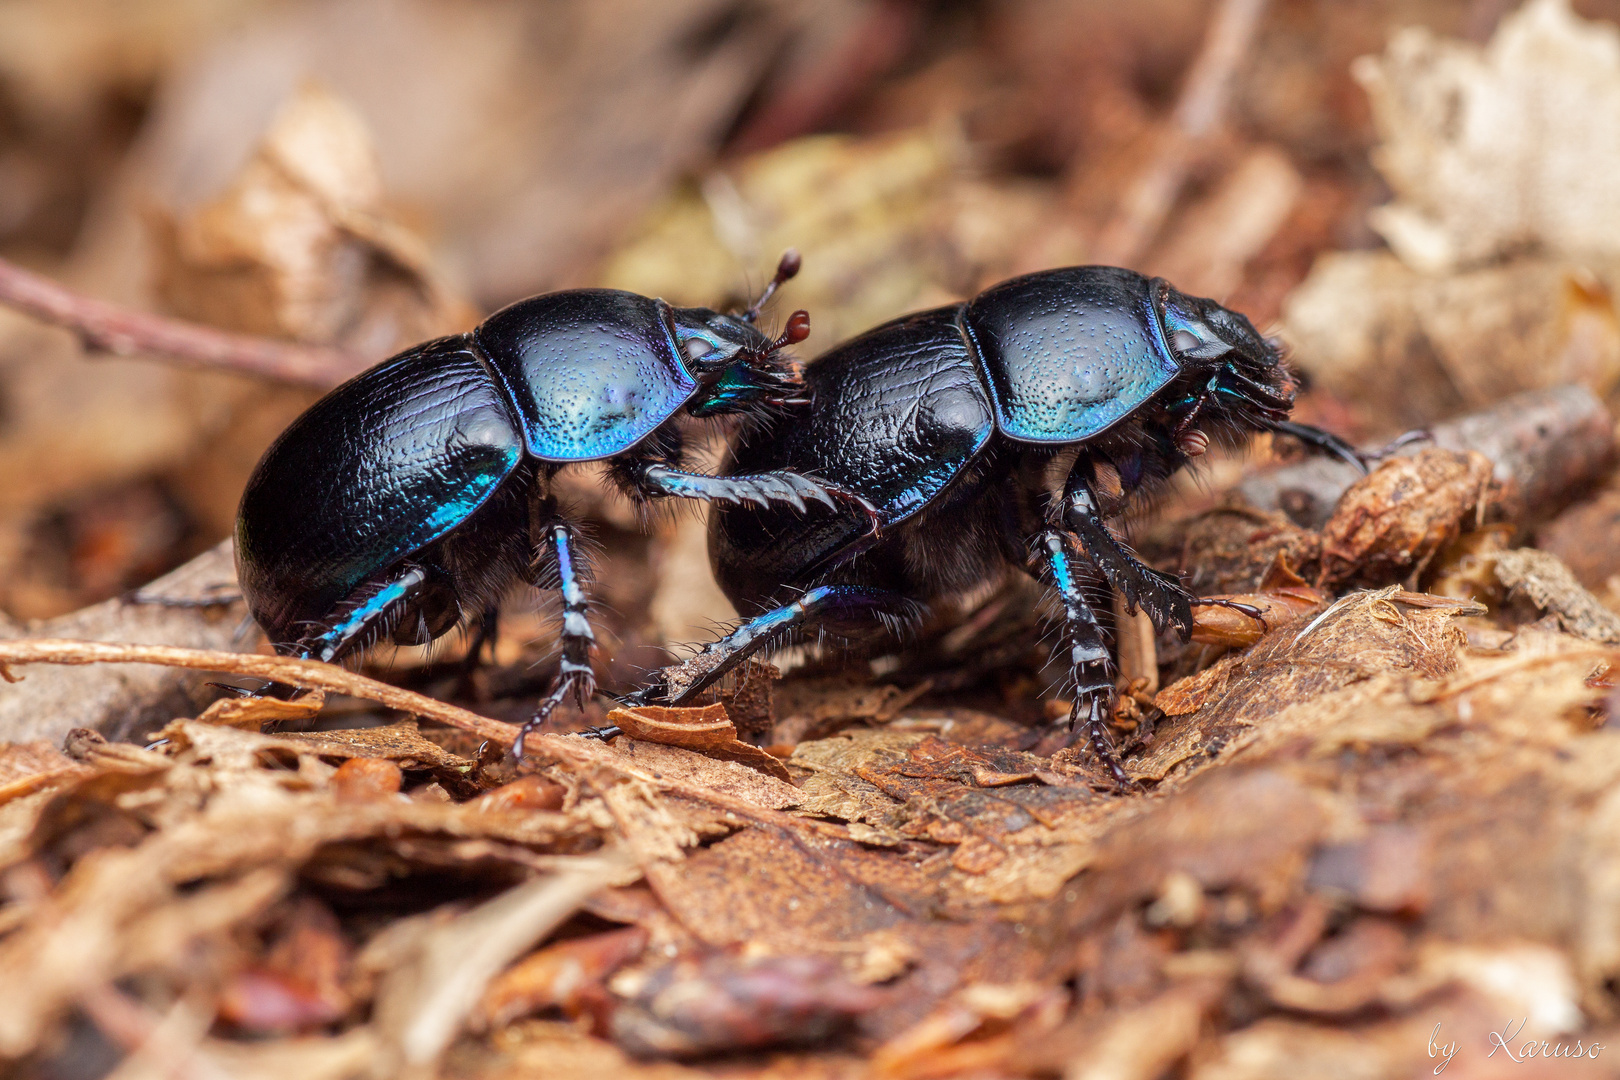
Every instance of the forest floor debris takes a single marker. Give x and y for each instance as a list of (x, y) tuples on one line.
[(1374, 830)]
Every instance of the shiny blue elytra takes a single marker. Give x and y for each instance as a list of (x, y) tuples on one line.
[(389, 462), (910, 406)]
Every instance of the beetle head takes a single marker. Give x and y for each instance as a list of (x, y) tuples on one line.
[(1235, 378), (737, 363)]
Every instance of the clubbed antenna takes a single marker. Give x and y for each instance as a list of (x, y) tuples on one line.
[(796, 330), (785, 270)]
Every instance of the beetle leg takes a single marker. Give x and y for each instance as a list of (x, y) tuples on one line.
[(483, 636), (859, 607), (1324, 442), (354, 627), (1163, 597), (575, 677), (657, 480), (1091, 670)]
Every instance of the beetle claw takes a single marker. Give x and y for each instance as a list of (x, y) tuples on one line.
[(1406, 438), (1095, 731), (1249, 610)]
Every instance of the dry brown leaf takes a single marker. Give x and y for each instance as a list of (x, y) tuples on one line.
[(569, 975), (810, 708), (1491, 150), (1459, 341), (253, 713), (402, 743), (699, 772), (422, 1003), (708, 730), (298, 245), (18, 761)]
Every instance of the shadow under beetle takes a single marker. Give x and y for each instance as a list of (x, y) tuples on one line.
[(1000, 432), (407, 500)]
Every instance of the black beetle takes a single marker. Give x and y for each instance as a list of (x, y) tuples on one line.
[(407, 500), (995, 433)]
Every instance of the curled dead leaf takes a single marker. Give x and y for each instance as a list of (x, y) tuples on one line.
[(1283, 598), (253, 713), (708, 730)]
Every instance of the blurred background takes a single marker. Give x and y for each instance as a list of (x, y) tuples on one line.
[(1430, 227)]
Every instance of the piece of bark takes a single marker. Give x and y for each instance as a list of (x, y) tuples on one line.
[(1543, 577), (1587, 538), (1545, 446), (124, 700), (1390, 524)]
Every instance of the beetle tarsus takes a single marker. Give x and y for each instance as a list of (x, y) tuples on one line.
[(604, 733), (1249, 610), (1091, 670), (1406, 438), (1095, 730), (1324, 442), (567, 570), (655, 692)]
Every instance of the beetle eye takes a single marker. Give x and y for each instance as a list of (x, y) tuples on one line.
[(1184, 341), (697, 348)]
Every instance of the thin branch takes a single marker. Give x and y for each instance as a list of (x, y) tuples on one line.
[(283, 669), (126, 332), (1198, 112), (565, 750)]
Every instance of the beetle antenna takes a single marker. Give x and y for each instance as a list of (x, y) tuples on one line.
[(785, 270), (796, 330)]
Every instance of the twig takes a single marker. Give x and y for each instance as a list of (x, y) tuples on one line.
[(317, 675), (308, 673), (1546, 445), (125, 331), (1203, 101)]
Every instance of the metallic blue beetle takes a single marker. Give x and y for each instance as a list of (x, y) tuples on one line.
[(991, 435), (407, 500)]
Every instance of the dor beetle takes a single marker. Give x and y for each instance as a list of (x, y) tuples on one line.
[(407, 500), (1000, 432)]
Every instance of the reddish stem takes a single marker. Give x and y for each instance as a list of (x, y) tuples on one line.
[(126, 331)]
